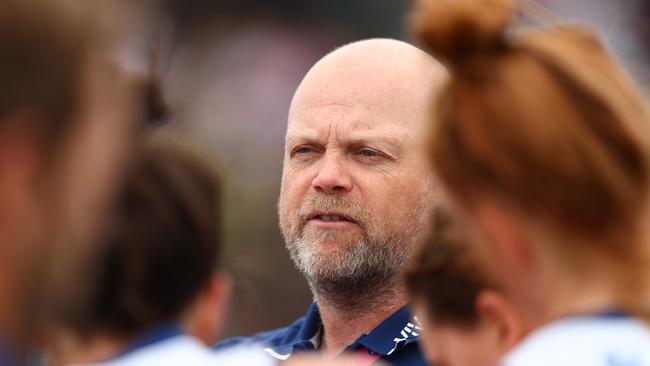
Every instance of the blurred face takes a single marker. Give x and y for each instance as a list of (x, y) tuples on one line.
[(52, 205), (356, 189), (83, 175), (450, 345), (98, 149)]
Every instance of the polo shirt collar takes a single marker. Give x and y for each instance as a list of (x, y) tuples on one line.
[(393, 333), (311, 327), (307, 337)]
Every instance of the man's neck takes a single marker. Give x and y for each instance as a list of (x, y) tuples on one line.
[(342, 325)]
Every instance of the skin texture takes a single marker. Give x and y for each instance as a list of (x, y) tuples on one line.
[(354, 149)]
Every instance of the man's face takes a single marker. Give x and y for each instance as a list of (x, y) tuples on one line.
[(356, 193)]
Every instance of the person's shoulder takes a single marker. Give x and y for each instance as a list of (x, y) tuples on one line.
[(270, 338), (185, 350), (243, 356), (179, 350), (585, 341)]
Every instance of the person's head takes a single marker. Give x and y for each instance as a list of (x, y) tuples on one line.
[(356, 189), (158, 258), (466, 319), (542, 144), (65, 114)]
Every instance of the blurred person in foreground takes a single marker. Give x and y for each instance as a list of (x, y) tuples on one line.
[(66, 116), (466, 318), (542, 144), (356, 198), (158, 298)]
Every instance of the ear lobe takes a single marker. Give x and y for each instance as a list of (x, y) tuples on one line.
[(494, 309)]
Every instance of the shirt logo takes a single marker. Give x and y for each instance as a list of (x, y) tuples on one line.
[(411, 330)]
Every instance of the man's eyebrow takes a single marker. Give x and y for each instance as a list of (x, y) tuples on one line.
[(300, 139), (392, 144)]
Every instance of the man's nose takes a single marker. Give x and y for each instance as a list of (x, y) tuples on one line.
[(332, 177)]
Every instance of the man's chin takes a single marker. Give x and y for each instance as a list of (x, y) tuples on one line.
[(320, 238), (324, 254)]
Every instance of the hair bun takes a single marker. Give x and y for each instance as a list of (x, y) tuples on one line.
[(456, 30)]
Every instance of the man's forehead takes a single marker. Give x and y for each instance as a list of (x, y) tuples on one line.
[(367, 85), (350, 120), (375, 84), (350, 133)]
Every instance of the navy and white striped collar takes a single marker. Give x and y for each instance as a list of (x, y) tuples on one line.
[(398, 330)]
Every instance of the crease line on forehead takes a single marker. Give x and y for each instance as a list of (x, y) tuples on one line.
[(305, 111)]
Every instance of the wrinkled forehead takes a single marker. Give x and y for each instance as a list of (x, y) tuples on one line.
[(361, 103), (353, 121)]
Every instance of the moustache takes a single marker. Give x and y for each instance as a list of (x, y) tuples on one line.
[(344, 206)]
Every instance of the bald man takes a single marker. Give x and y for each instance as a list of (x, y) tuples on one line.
[(356, 198)]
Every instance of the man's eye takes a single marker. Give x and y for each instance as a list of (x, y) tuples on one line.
[(369, 153), (303, 150)]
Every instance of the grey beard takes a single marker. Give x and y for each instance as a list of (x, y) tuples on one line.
[(370, 268), (363, 273)]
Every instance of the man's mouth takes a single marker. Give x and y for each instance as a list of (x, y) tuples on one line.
[(330, 217)]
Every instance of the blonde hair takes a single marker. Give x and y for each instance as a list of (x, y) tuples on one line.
[(544, 121)]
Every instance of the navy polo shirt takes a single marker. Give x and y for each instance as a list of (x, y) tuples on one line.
[(394, 340)]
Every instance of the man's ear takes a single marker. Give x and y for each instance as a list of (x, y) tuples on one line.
[(206, 317), (497, 312)]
